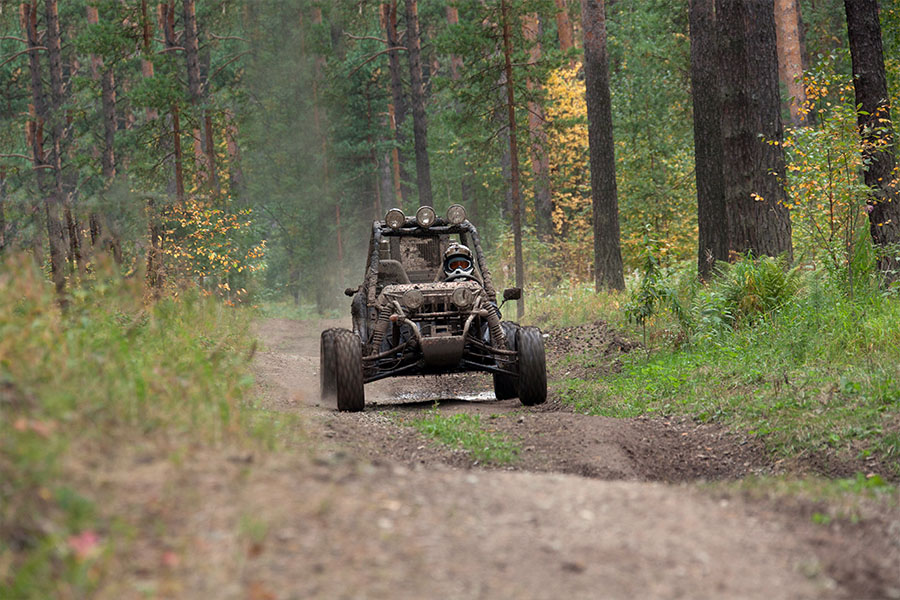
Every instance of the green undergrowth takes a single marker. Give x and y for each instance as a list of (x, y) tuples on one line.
[(827, 500), (814, 370), (109, 373), (469, 433), (288, 309), (569, 304)]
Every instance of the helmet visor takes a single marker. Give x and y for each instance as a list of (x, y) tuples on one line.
[(459, 263)]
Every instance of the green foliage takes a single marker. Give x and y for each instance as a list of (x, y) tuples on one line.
[(571, 303), (85, 384), (649, 63), (805, 368), (467, 432), (652, 292), (751, 288)]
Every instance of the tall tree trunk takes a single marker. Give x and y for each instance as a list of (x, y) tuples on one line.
[(319, 124), (456, 64), (192, 50), (417, 93), (58, 130), (753, 168), (3, 224), (564, 26), (397, 105), (49, 191), (712, 223), (108, 155), (540, 162), (513, 156), (395, 158), (608, 269), (167, 24), (790, 56), (236, 174), (874, 119), (154, 273), (203, 142), (146, 63)]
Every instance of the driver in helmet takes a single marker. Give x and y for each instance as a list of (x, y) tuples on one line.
[(458, 265)]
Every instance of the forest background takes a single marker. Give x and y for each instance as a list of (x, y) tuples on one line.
[(162, 159), (245, 146)]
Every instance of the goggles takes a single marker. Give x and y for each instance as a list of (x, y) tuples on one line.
[(458, 263)]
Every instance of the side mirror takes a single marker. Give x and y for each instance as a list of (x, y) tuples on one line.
[(351, 291), (512, 293)]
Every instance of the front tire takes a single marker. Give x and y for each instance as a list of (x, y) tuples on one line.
[(506, 386), (532, 366), (327, 379), (348, 371)]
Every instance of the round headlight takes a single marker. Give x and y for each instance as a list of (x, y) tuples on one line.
[(425, 216), (413, 299), (395, 218), (462, 297), (456, 214)]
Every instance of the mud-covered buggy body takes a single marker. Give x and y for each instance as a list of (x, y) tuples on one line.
[(408, 321)]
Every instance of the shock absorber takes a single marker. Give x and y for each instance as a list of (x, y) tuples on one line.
[(384, 319), (493, 319)]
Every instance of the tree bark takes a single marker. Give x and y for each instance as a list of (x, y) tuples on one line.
[(876, 128), (49, 191), (564, 26), (318, 123), (753, 168), (397, 106), (513, 157), (106, 77), (608, 267), (540, 162), (790, 56), (167, 25), (3, 224), (712, 223), (57, 120), (203, 142), (417, 93), (466, 184), (146, 63)]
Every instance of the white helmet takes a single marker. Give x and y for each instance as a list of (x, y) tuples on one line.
[(457, 262)]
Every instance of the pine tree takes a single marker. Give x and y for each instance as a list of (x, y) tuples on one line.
[(608, 268)]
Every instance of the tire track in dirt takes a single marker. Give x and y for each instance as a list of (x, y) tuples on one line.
[(434, 526)]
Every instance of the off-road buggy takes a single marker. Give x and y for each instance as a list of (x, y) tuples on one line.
[(408, 321)]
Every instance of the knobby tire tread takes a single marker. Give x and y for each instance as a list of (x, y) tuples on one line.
[(348, 372), (532, 367)]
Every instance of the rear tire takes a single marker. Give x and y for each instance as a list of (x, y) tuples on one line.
[(506, 386), (327, 379), (532, 366), (351, 395)]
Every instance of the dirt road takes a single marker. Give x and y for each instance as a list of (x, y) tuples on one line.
[(594, 508)]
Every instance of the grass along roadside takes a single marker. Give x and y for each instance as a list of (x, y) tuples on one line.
[(818, 374), (466, 432), (111, 374)]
